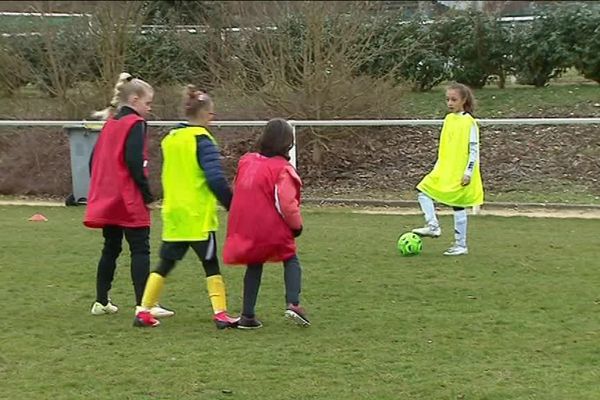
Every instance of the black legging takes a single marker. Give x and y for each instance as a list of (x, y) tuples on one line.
[(206, 251), (139, 246), (292, 275)]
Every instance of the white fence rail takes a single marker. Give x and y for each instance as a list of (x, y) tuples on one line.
[(317, 123), (340, 122)]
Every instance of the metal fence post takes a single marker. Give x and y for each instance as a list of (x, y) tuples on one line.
[(293, 152)]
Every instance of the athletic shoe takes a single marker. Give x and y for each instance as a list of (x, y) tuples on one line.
[(428, 231), (224, 320), (99, 309), (145, 319), (157, 311), (297, 314), (249, 323), (456, 251)]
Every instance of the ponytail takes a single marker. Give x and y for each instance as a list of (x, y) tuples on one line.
[(126, 85), (194, 100)]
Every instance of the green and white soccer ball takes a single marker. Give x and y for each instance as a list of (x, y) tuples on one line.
[(410, 244)]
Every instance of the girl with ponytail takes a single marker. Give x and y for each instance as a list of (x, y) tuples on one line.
[(119, 194), (193, 183)]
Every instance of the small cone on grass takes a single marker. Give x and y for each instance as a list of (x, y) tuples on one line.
[(38, 218)]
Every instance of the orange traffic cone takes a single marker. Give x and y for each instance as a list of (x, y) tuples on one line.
[(38, 218)]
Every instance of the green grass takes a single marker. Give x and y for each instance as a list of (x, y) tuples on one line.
[(551, 192), (516, 319), (563, 98), (28, 24), (558, 100)]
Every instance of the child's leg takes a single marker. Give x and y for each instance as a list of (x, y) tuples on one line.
[(139, 246), (292, 275), (252, 280), (170, 252), (460, 226), (293, 283), (428, 209), (113, 237), (207, 253)]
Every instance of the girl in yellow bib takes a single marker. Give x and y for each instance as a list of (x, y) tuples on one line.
[(193, 182), (455, 180)]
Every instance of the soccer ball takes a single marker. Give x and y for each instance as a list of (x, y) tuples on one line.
[(410, 244)]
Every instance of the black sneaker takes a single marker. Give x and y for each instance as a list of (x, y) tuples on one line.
[(249, 323)]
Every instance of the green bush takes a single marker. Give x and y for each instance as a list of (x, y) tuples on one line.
[(424, 64), (540, 51), (476, 45), (579, 27), (465, 46), (157, 57), (410, 53), (57, 59)]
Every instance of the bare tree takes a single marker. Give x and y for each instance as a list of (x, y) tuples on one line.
[(302, 60), (113, 27), (14, 69)]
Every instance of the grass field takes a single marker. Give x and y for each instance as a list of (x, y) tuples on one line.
[(565, 97), (558, 100), (542, 194), (519, 318)]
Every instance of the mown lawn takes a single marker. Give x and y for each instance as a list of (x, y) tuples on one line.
[(519, 318)]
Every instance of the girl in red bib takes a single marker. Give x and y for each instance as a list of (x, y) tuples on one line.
[(264, 219), (119, 194)]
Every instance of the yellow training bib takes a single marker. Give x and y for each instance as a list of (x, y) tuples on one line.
[(443, 183), (189, 209)]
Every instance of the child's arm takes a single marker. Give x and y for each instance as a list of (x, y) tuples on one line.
[(209, 160), (134, 158), (473, 151), (287, 191)]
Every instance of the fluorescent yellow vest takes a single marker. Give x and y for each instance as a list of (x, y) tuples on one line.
[(189, 210), (443, 183)]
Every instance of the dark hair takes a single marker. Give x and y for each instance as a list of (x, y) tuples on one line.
[(465, 93), (277, 139), (194, 100)]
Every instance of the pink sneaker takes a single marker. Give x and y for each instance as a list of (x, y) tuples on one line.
[(224, 320), (145, 319), (297, 314)]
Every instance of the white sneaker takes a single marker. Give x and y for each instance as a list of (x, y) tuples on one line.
[(157, 311), (99, 309), (456, 251), (428, 231)]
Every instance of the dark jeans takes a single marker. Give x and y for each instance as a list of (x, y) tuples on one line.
[(139, 247), (292, 275)]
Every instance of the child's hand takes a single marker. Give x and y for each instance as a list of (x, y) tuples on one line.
[(297, 232), (465, 180)]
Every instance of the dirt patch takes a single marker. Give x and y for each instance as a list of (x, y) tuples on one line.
[(532, 213), (37, 162)]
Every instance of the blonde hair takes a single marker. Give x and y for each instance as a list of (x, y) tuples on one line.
[(465, 93), (194, 100), (125, 87)]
